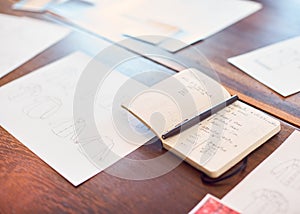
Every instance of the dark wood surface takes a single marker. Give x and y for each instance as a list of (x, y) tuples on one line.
[(28, 185)]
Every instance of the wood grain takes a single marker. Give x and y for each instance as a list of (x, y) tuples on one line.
[(28, 185)]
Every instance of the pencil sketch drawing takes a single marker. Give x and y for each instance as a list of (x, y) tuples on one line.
[(97, 148), (26, 91), (267, 201), (69, 129), (42, 107), (288, 173)]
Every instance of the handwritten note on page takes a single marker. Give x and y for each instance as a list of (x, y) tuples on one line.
[(274, 186), (38, 110), (215, 144), (23, 38), (277, 66), (176, 98)]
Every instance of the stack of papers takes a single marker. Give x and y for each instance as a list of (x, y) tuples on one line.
[(195, 19), (23, 38), (186, 21), (104, 19)]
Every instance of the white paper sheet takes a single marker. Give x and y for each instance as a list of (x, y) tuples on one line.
[(196, 19), (187, 21), (277, 66), (103, 20), (23, 38), (274, 186), (38, 110)]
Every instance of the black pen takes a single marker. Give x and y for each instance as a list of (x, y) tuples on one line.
[(200, 117)]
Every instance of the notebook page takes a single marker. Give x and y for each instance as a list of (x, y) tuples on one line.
[(220, 141), (176, 99)]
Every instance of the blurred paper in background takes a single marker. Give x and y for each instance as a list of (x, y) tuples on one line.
[(187, 21), (33, 36)]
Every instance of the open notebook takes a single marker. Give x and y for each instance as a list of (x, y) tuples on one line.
[(213, 145)]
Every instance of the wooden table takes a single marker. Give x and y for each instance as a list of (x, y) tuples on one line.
[(28, 185)]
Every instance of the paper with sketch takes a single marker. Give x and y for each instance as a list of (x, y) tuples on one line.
[(38, 110), (274, 186), (32, 37), (277, 66)]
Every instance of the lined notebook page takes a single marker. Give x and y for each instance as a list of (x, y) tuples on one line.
[(175, 99), (219, 142)]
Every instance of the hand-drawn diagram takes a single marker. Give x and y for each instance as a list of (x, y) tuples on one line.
[(288, 173), (64, 81), (26, 91), (42, 107), (69, 129), (267, 201), (97, 148)]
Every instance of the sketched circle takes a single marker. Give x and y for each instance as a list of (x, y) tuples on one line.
[(104, 148)]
